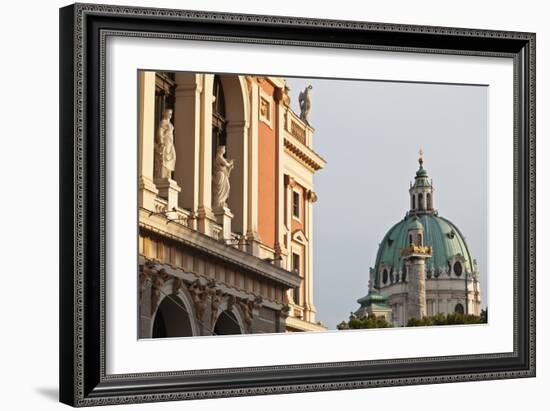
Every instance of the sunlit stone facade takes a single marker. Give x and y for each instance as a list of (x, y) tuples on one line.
[(225, 236)]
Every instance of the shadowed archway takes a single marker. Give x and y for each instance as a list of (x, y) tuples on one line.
[(227, 324), (171, 319)]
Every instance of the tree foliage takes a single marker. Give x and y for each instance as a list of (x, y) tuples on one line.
[(449, 319), (372, 321)]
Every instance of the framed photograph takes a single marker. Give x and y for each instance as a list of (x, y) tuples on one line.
[(261, 204)]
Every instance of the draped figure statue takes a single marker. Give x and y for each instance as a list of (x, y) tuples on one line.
[(305, 103), (220, 179), (166, 152)]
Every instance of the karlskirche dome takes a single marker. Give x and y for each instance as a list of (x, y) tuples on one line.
[(423, 265), (443, 236)]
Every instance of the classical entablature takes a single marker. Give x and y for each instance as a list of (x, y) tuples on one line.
[(304, 154), (216, 250)]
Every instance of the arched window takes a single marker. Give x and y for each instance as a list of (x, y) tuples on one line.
[(219, 121), (457, 268), (385, 276), (420, 201), (419, 239), (413, 201), (429, 200), (459, 308), (404, 273), (410, 239)]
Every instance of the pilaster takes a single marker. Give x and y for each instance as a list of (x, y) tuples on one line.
[(187, 129), (311, 198), (252, 226), (147, 190), (280, 252), (237, 150)]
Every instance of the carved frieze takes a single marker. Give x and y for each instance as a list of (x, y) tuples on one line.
[(216, 301), (249, 308), (199, 293), (285, 311)]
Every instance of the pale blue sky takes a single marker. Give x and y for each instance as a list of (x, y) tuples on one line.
[(370, 134)]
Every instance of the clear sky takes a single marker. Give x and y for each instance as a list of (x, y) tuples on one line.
[(370, 134)]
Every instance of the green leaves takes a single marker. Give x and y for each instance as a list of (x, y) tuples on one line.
[(449, 319), (372, 321)]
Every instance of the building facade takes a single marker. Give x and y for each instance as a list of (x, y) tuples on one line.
[(225, 206), (424, 266)]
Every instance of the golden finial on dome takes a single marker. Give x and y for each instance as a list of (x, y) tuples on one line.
[(420, 159)]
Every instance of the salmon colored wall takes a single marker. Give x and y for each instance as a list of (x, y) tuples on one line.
[(267, 150)]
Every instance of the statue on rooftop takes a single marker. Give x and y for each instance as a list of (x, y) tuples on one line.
[(305, 103)]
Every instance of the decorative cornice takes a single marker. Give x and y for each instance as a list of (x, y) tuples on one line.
[(305, 155), (207, 245)]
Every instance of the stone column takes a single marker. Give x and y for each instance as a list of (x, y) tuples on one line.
[(252, 224), (237, 150), (280, 253), (416, 273), (147, 189), (205, 216), (310, 307), (187, 129), (193, 134)]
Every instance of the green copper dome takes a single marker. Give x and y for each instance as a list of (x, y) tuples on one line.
[(444, 237), (415, 224), (448, 246), (421, 172), (372, 297)]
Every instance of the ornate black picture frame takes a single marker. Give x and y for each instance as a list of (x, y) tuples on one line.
[(83, 30)]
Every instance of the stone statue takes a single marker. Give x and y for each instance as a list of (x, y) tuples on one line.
[(247, 307), (305, 103), (165, 160), (216, 302), (200, 298), (220, 180)]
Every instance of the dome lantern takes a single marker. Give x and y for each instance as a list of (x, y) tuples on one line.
[(421, 192)]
